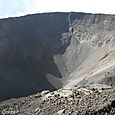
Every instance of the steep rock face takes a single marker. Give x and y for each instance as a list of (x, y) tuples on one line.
[(53, 50), (91, 52), (27, 46)]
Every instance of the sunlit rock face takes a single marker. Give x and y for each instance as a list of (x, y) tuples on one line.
[(54, 50)]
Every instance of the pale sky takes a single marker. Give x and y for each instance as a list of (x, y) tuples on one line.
[(12, 8)]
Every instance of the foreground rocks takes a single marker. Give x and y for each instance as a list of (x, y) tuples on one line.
[(92, 99)]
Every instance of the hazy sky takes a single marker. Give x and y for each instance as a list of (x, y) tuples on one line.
[(9, 8)]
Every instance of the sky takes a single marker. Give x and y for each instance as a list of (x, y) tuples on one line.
[(12, 8)]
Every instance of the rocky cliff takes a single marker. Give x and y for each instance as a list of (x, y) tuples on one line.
[(55, 50)]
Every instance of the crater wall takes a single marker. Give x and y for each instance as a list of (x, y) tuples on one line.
[(54, 50)]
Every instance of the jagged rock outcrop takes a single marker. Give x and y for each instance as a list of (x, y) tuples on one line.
[(54, 50)]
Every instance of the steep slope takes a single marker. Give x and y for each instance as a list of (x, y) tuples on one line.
[(92, 50), (54, 50)]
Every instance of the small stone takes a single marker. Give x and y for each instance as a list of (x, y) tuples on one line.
[(37, 95), (37, 109), (61, 111), (69, 113), (45, 92), (56, 95)]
